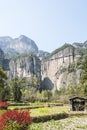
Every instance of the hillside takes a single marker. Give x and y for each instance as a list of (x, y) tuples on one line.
[(62, 67)]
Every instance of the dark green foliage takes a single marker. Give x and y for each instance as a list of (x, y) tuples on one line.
[(71, 68), (16, 90), (24, 89), (85, 90), (79, 63), (84, 67), (48, 94), (34, 82), (3, 77), (49, 117), (17, 93), (3, 89), (84, 75)]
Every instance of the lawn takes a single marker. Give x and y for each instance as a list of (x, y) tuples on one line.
[(48, 111), (42, 111)]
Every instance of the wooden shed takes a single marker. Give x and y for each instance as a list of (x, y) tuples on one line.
[(78, 103)]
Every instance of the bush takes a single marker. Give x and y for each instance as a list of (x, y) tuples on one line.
[(15, 120), (71, 68), (3, 105), (50, 117)]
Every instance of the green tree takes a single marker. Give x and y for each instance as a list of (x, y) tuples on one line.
[(48, 94), (75, 90), (3, 77), (34, 82), (84, 75), (16, 89)]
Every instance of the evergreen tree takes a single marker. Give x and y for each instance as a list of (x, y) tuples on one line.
[(16, 88), (3, 77), (84, 75)]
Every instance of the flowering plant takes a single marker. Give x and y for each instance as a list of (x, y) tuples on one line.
[(14, 119), (3, 105)]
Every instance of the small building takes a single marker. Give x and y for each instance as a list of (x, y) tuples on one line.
[(78, 103)]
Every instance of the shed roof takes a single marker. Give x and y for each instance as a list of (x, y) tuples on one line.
[(77, 97)]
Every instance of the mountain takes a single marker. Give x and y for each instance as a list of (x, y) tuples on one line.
[(60, 69), (42, 54), (80, 45), (19, 45), (63, 67)]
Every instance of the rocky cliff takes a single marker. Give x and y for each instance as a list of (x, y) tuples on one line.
[(21, 66), (24, 66), (59, 69), (4, 62), (1, 57)]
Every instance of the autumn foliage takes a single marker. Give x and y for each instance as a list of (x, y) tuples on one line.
[(14, 119)]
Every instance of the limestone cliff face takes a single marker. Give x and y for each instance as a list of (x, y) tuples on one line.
[(1, 57), (3, 62), (54, 70), (22, 66), (26, 66)]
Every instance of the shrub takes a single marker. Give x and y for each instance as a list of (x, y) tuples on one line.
[(14, 119), (50, 117), (3, 105), (71, 68)]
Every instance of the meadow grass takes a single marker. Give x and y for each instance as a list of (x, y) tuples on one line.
[(48, 111)]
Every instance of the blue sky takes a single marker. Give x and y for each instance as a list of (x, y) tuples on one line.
[(50, 23)]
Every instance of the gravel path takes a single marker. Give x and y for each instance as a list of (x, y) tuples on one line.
[(74, 123)]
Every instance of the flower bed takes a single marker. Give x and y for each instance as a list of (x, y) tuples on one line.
[(15, 120), (3, 105)]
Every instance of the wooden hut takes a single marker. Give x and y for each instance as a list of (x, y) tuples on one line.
[(77, 103)]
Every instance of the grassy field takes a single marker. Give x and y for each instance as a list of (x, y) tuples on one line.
[(40, 111), (48, 111)]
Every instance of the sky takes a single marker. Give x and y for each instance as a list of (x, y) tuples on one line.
[(50, 23)]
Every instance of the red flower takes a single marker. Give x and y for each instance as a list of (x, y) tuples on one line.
[(20, 117), (3, 104)]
